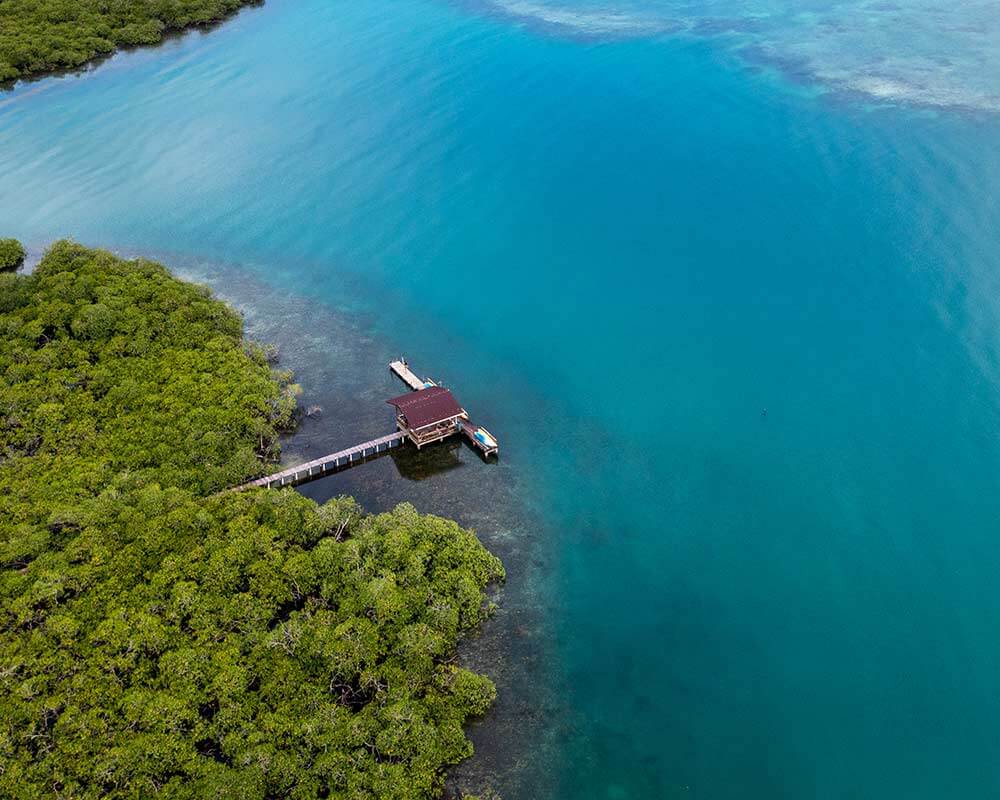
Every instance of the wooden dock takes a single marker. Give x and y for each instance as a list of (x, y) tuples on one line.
[(331, 463), (440, 425), (407, 376), (455, 421)]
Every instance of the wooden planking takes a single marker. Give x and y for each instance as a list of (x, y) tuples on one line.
[(406, 375), (311, 469)]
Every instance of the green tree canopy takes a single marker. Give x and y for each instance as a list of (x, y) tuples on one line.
[(159, 638), (11, 255), (43, 35)]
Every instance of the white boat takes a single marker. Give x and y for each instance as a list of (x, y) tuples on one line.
[(486, 438)]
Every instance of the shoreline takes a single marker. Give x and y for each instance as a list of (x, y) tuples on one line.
[(339, 356), (344, 371), (473, 644), (94, 62)]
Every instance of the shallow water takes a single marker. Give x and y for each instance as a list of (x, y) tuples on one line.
[(921, 51), (733, 319)]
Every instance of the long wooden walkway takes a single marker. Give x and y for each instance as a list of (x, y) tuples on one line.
[(313, 469)]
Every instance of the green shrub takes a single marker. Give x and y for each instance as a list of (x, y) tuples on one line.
[(11, 255)]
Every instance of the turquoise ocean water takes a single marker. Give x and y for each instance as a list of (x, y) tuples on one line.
[(622, 232)]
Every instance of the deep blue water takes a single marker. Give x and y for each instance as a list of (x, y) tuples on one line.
[(621, 232)]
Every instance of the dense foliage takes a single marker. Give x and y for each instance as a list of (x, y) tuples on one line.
[(43, 35), (115, 373), (161, 639), (11, 254)]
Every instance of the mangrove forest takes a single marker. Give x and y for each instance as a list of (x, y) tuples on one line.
[(38, 36), (163, 637)]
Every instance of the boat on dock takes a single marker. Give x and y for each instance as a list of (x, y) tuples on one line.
[(481, 438)]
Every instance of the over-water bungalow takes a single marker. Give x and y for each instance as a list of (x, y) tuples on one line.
[(428, 415)]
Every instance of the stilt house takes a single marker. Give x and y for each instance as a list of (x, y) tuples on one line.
[(428, 415)]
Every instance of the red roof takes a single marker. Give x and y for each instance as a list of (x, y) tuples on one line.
[(427, 406)]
